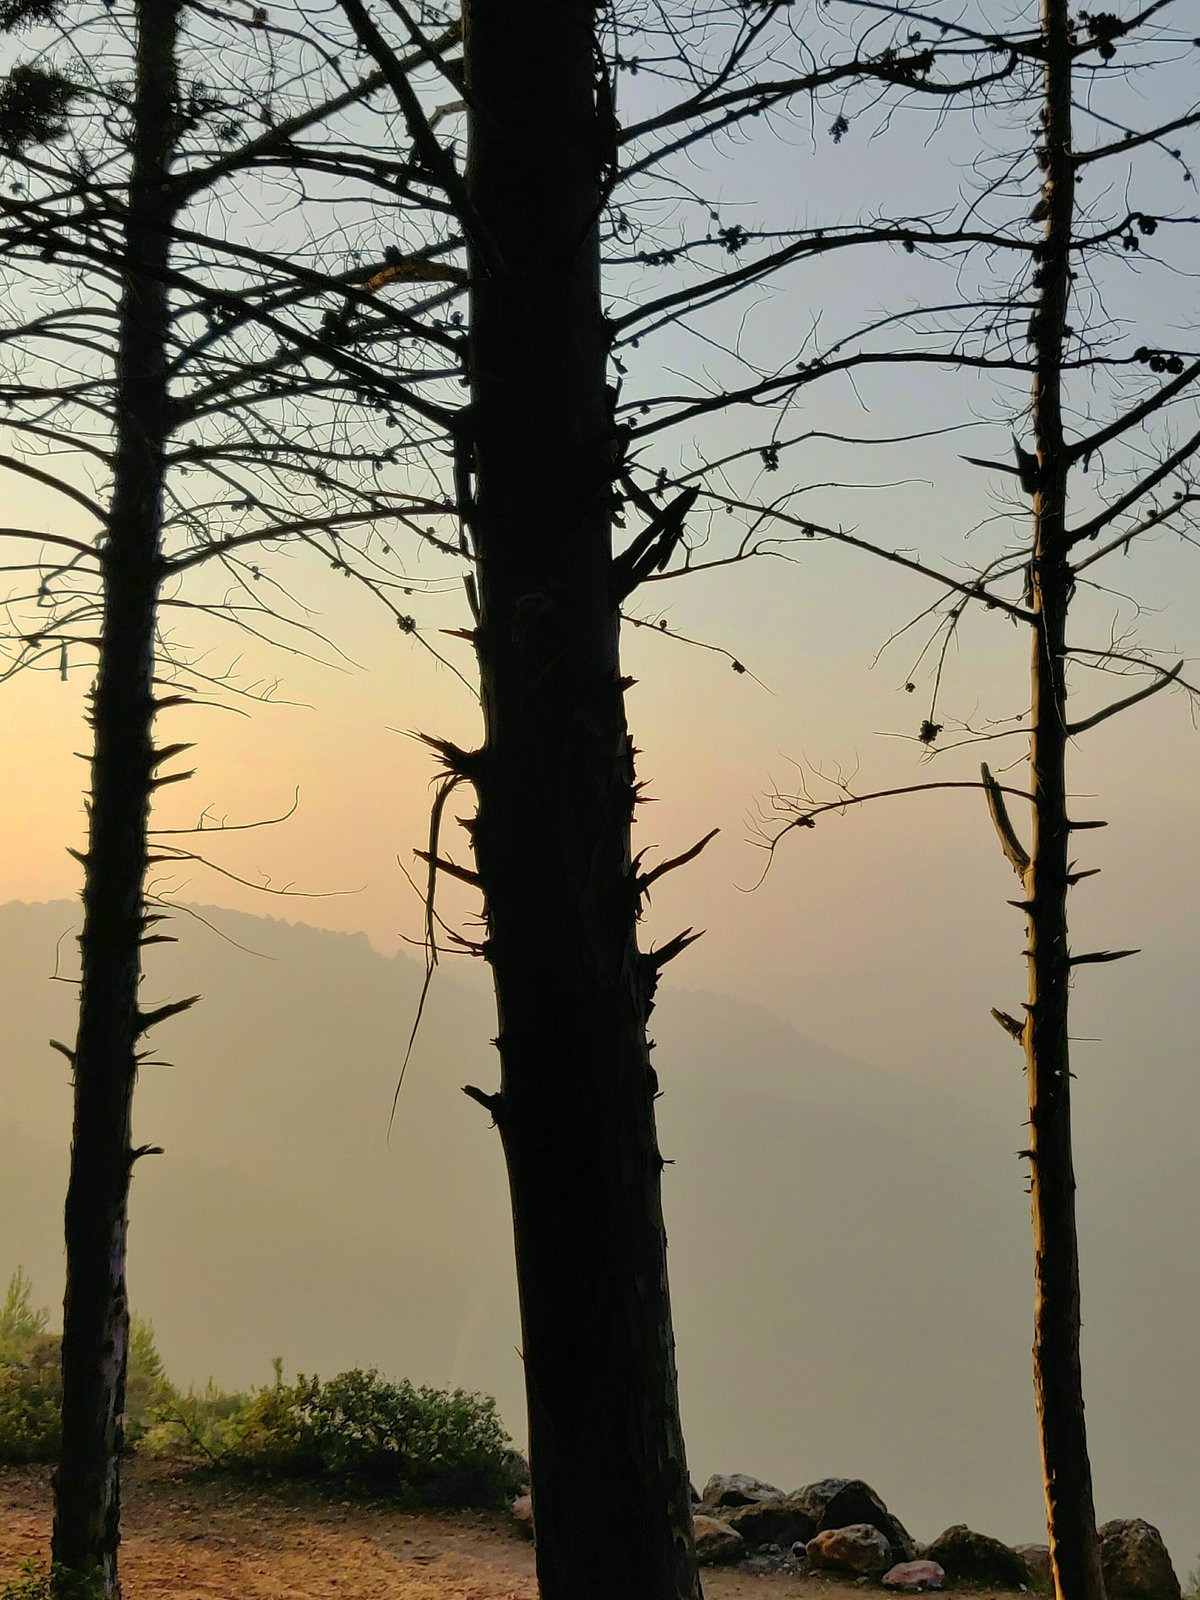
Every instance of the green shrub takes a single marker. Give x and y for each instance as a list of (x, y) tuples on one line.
[(31, 1378), (147, 1389), (421, 1444), (20, 1323), (30, 1398), (201, 1424), (34, 1583)]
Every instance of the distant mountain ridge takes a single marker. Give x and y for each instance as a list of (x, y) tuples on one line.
[(849, 1251)]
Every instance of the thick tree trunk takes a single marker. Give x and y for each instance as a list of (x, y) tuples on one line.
[(96, 1312), (1071, 1519), (556, 794)]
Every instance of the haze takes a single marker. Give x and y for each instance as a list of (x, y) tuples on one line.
[(849, 1250)]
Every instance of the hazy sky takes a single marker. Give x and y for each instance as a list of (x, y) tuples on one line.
[(866, 930), (876, 923)]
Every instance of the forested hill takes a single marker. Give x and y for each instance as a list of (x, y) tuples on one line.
[(849, 1251)]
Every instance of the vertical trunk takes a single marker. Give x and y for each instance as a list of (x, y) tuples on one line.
[(1057, 1380), (96, 1313), (556, 794)]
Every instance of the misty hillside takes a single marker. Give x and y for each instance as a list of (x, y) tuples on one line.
[(850, 1252)]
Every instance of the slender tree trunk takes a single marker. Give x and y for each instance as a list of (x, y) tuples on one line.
[(556, 793), (1071, 1518), (96, 1312)]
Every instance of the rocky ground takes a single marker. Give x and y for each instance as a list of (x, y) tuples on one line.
[(188, 1537), (841, 1524), (192, 1536)]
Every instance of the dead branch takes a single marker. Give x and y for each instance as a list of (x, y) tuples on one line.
[(1015, 852), (1168, 677), (646, 879), (1014, 1029)]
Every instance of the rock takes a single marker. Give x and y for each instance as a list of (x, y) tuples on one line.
[(759, 1565), (716, 1541), (1135, 1561), (522, 1512), (977, 1558), (858, 1548), (842, 1502), (1037, 1558), (781, 1521), (738, 1489), (913, 1575)]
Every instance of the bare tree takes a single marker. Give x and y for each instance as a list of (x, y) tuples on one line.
[(568, 206), (1098, 395), (142, 351), (111, 1021)]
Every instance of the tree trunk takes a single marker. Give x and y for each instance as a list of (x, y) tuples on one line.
[(556, 793), (1071, 1519), (96, 1312)]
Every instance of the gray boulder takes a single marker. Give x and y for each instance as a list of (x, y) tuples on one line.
[(1037, 1558), (859, 1548), (716, 1541), (1135, 1561), (842, 1502), (976, 1558), (737, 1489), (781, 1521)]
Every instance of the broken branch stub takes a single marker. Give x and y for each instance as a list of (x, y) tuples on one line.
[(1015, 852)]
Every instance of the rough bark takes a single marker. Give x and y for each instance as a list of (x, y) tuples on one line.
[(96, 1312), (555, 784), (1074, 1547)]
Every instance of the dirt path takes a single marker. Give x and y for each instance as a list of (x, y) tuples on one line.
[(190, 1538)]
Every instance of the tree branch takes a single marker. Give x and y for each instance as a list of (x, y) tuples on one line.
[(973, 590), (1130, 419), (1015, 852), (1168, 676), (1089, 530)]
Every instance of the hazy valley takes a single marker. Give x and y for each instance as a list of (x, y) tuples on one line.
[(850, 1251)]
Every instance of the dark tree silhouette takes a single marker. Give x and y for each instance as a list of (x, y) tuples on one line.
[(1097, 394), (556, 790), (548, 458), (153, 352), (111, 1021)]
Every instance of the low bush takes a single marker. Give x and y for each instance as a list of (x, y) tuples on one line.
[(424, 1445), (30, 1398), (418, 1445), (33, 1582), (147, 1388), (421, 1446), (31, 1378), (21, 1322), (202, 1424)]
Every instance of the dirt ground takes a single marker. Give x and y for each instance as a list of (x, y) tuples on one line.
[(192, 1538)]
